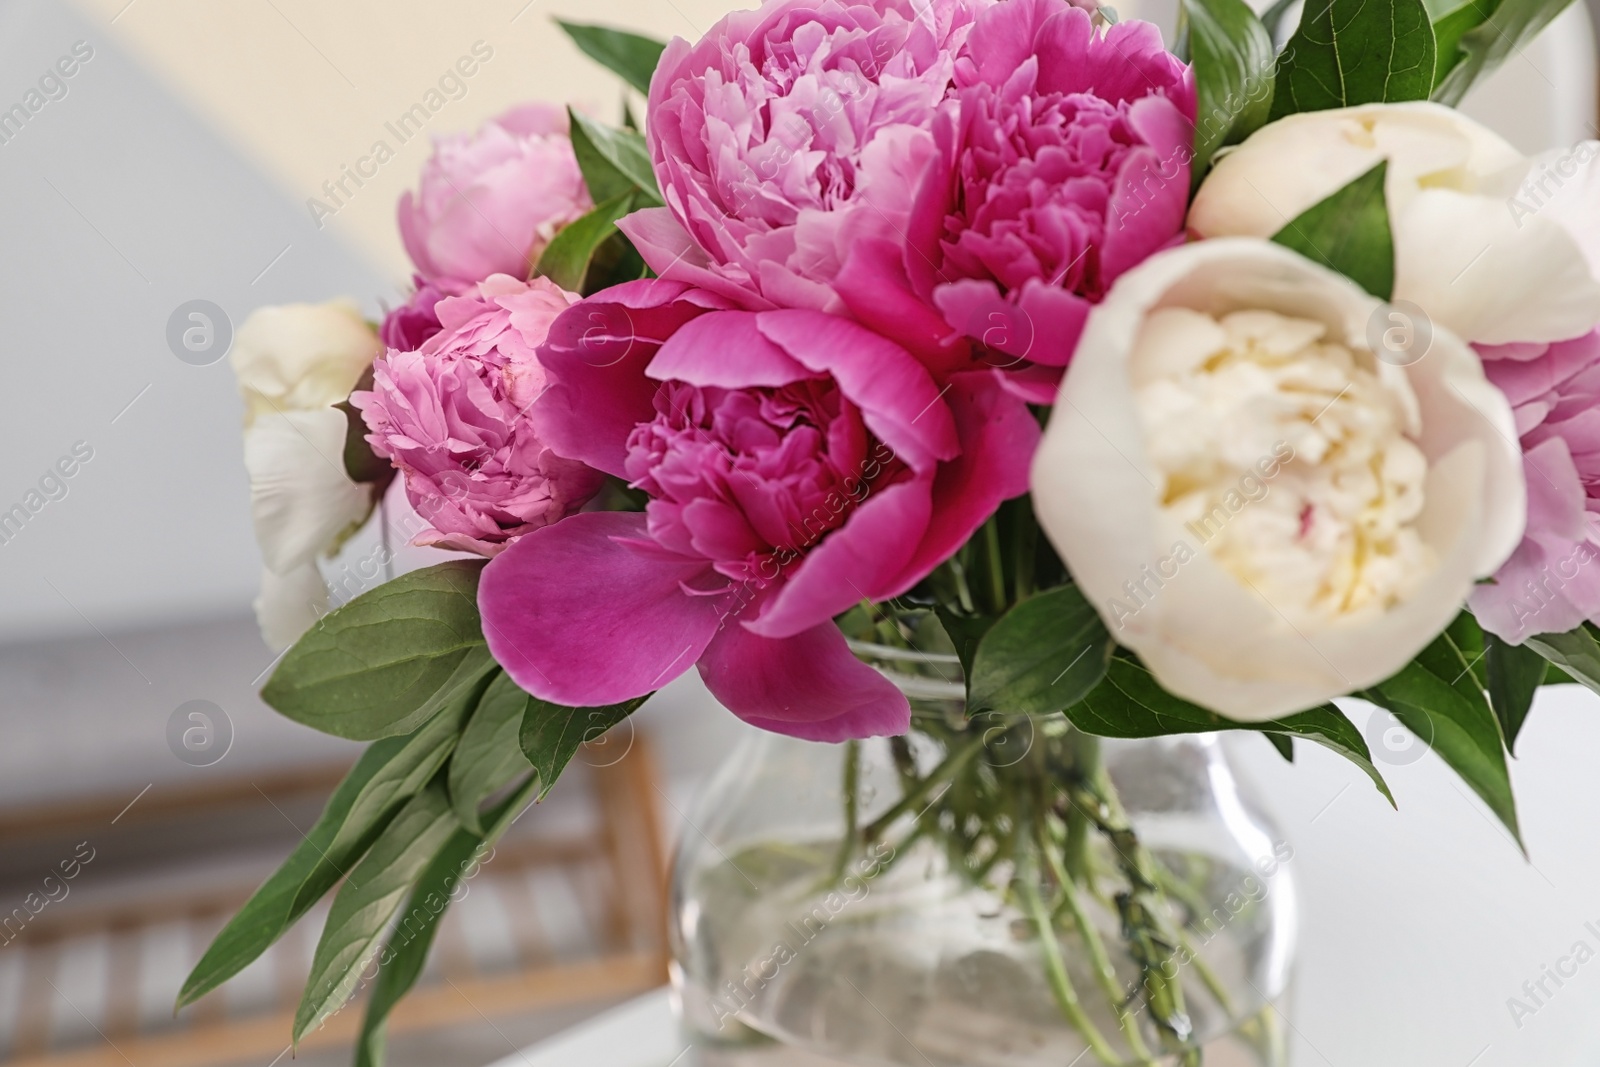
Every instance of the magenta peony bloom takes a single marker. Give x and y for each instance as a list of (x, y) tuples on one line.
[(789, 132), (489, 202), (453, 418), (409, 325), (796, 464), (1066, 164), (1551, 583)]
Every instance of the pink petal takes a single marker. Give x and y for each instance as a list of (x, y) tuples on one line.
[(898, 399), (669, 250), (874, 286), (576, 618), (999, 436), (856, 562), (725, 350), (810, 685), (595, 357)]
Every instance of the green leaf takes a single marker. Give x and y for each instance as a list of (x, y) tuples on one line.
[(613, 161), (1349, 52), (1576, 653), (964, 631), (1461, 727), (389, 659), (361, 463), (551, 733), (623, 53), (1042, 655), (368, 900), (489, 755), (566, 258), (415, 759), (1554, 675), (1509, 28), (273, 908), (1450, 28), (1284, 744), (1328, 727), (1515, 674), (1234, 65), (406, 952), (1131, 703), (1349, 233)]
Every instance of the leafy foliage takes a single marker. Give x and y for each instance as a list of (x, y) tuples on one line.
[(388, 660), (628, 54), (1131, 703), (1484, 34), (1349, 52), (1349, 232), (1041, 656), (1438, 698), (1234, 68)]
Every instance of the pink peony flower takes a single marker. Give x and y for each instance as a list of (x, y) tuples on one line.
[(789, 132), (409, 325), (489, 202), (1066, 164), (453, 418), (1551, 583), (796, 464)]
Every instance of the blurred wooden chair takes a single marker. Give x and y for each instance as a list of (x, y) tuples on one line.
[(562, 915)]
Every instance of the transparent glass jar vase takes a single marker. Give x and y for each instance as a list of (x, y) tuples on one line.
[(1001, 892)]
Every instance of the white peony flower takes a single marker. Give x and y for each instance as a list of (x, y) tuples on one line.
[(1261, 509), (293, 364), (1464, 253)]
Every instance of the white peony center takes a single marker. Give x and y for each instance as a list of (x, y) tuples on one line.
[(1288, 458)]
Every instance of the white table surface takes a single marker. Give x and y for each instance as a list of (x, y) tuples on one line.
[(1418, 925)]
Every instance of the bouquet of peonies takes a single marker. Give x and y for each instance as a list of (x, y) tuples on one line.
[(1170, 390)]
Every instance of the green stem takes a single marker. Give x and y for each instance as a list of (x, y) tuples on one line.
[(1105, 973), (852, 808), (1144, 928), (1056, 968), (997, 568), (918, 793)]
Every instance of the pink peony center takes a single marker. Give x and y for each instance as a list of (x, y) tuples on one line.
[(1033, 189), (751, 478)]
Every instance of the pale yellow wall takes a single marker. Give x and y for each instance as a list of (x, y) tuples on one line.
[(303, 87)]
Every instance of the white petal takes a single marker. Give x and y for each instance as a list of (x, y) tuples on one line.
[(300, 496), (303, 356), (290, 604), (1486, 276)]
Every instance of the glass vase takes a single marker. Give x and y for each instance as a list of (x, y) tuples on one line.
[(988, 891)]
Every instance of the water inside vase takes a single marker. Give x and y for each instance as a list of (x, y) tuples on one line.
[(904, 964)]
